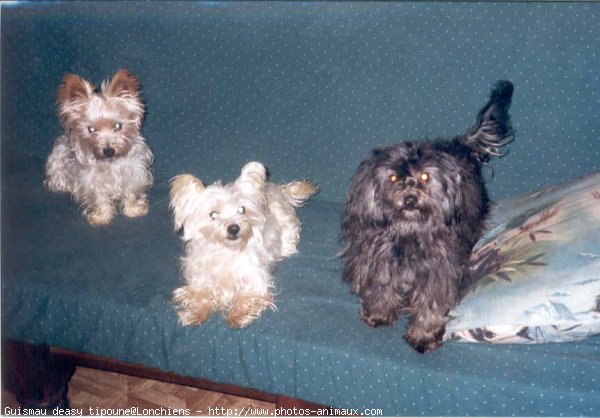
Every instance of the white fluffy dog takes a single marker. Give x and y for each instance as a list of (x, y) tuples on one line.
[(101, 159), (235, 234)]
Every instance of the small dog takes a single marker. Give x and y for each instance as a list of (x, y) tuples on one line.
[(414, 212), (101, 159), (234, 235)]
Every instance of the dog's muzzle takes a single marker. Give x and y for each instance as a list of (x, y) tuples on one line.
[(410, 201), (232, 232), (108, 152)]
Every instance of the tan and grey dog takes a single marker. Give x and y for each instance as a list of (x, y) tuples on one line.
[(101, 159), (234, 235)]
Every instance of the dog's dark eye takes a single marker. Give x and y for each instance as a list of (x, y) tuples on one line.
[(213, 215), (393, 178), (91, 129), (425, 177), (241, 210), (118, 126)]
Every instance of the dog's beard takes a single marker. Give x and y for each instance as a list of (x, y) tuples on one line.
[(418, 212), (413, 220), (221, 234), (222, 216), (102, 131), (102, 148), (419, 207)]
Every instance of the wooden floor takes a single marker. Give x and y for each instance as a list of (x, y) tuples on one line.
[(91, 388)]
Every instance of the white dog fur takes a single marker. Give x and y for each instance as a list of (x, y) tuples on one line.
[(234, 235), (101, 159)]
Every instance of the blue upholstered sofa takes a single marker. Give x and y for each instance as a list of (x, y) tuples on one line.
[(308, 89)]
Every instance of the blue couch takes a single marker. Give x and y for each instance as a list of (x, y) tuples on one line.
[(308, 89)]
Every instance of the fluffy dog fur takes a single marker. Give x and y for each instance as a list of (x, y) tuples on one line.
[(101, 159), (414, 212), (234, 235)]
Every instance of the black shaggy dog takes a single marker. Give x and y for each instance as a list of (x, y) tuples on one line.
[(413, 214)]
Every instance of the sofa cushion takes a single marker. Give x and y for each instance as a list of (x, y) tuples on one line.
[(106, 291), (308, 89), (539, 269)]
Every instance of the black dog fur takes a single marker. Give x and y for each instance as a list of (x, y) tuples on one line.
[(413, 213)]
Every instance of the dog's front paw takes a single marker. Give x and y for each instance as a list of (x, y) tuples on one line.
[(194, 316), (99, 215), (424, 342), (376, 320), (194, 307), (135, 207), (247, 308)]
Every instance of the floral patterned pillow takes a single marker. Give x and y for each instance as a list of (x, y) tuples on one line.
[(536, 272)]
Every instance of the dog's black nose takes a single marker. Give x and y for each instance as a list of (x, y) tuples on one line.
[(233, 229), (410, 201), (108, 152)]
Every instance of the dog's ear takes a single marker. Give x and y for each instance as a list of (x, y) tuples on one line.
[(253, 176), (73, 93), (185, 196), (74, 88), (363, 204), (123, 84), (126, 86), (492, 129)]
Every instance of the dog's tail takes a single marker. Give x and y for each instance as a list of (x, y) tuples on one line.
[(492, 130), (298, 192)]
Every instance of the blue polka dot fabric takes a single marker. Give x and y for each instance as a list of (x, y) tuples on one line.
[(308, 89)]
